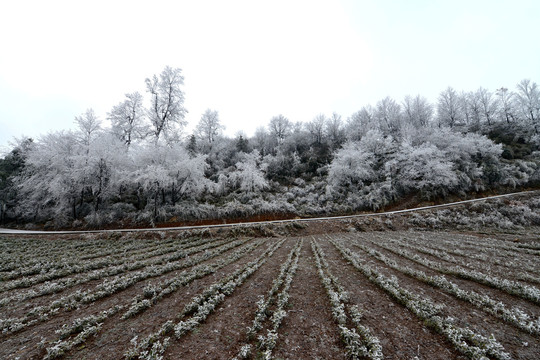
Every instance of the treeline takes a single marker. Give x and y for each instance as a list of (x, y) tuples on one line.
[(144, 169)]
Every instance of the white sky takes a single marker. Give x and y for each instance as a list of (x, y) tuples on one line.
[(251, 60)]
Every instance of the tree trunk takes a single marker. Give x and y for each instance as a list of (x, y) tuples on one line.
[(74, 208), (173, 193), (156, 196), (97, 202), (2, 212)]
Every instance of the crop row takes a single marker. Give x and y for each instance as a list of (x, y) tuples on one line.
[(525, 269), (113, 269), (490, 243), (359, 340), (134, 261), (79, 262), (524, 291), (23, 253), (272, 309), (195, 312), (465, 340), (152, 294), (514, 316), (477, 254), (108, 288), (84, 327), (465, 246)]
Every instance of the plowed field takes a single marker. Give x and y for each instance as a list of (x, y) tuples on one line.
[(342, 295)]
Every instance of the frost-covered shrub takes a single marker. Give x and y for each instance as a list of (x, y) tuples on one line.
[(424, 169), (95, 219), (119, 211), (521, 215)]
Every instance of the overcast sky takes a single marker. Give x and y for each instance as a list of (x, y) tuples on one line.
[(251, 60)]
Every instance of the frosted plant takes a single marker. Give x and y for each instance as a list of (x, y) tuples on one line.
[(204, 304), (358, 344), (424, 308)]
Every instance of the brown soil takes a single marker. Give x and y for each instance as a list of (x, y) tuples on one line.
[(402, 335), (469, 316), (307, 332)]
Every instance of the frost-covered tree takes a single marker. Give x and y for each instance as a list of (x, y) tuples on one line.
[(50, 185), (358, 172), (417, 111), (248, 175), (359, 163), (506, 104), (165, 174), (488, 105), (284, 168), (209, 128), (106, 158), (191, 145), (89, 126), (189, 178), (152, 175), (335, 131), (424, 169), (316, 129), (360, 123), (300, 142), (242, 143), (388, 116), (166, 112), (261, 141), (11, 165), (279, 128), (528, 99), (475, 158), (127, 119), (66, 179), (471, 109), (352, 167), (448, 113)]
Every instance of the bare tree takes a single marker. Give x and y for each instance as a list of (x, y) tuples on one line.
[(488, 104), (261, 141), (448, 108), (167, 102), (335, 130), (127, 119), (279, 128), (89, 125), (506, 104), (316, 128), (471, 109), (209, 127), (528, 97), (417, 111)]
